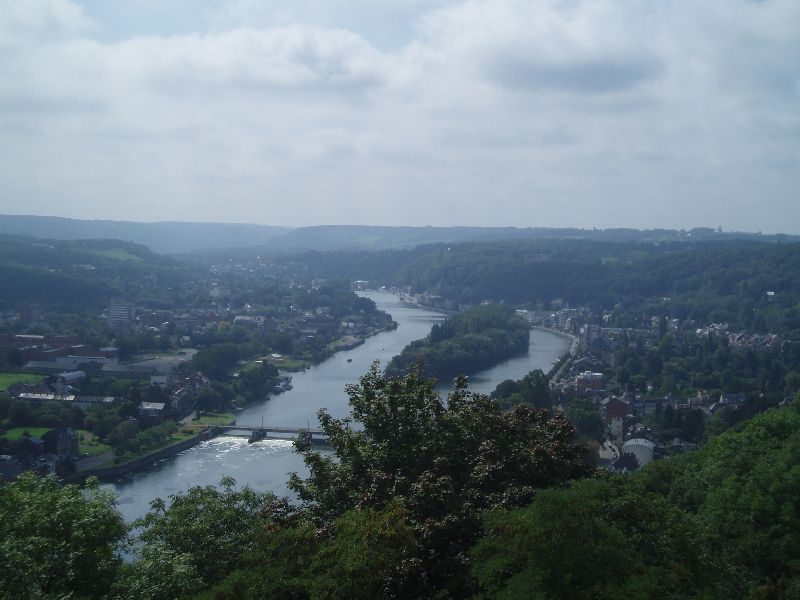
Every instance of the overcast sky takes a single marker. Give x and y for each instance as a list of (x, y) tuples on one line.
[(544, 113)]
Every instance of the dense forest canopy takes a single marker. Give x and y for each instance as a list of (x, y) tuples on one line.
[(703, 280), (467, 342), (80, 274)]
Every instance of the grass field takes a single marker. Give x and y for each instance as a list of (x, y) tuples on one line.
[(16, 432), (175, 439), (289, 364), (86, 442), (216, 419), (7, 379)]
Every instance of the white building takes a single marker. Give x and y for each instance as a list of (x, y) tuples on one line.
[(121, 312), (641, 448)]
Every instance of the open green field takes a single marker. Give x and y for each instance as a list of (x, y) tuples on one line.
[(116, 253), (175, 439), (86, 442), (16, 433), (289, 364), (8, 379), (216, 419)]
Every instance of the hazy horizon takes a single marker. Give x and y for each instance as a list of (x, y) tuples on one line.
[(483, 113), (410, 226)]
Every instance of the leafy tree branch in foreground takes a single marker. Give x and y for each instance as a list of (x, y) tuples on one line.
[(447, 462)]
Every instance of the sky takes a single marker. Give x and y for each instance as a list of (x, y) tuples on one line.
[(531, 113)]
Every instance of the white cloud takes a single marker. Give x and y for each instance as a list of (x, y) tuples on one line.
[(29, 21), (537, 112)]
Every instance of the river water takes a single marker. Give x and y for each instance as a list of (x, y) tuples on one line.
[(264, 466)]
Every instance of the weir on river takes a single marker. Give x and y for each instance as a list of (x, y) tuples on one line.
[(265, 465), (258, 433)]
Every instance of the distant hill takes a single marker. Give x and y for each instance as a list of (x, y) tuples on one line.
[(247, 239), (86, 274), (366, 237), (163, 237)]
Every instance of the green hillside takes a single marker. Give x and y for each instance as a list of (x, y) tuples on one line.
[(85, 273)]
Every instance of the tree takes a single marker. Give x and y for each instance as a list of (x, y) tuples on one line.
[(208, 529), (57, 541), (20, 413), (537, 387), (5, 403), (371, 554), (447, 462), (14, 357), (586, 419), (595, 539), (533, 390)]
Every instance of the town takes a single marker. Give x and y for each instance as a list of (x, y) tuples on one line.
[(74, 404), (636, 393)]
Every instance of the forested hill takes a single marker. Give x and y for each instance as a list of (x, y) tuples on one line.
[(470, 341), (165, 236), (87, 273), (709, 281), (243, 239), (358, 238), (704, 281)]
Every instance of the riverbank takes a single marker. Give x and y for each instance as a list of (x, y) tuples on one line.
[(114, 471), (347, 342), (573, 339), (414, 304), (263, 466), (295, 364), (565, 360)]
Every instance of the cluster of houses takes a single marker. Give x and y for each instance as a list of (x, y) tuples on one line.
[(43, 454), (742, 339), (629, 443), (40, 454), (307, 327), (65, 388), (428, 300)]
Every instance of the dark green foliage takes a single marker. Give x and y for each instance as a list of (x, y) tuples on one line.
[(597, 539), (206, 530), (533, 390), (20, 413), (335, 295), (33, 285), (217, 361), (709, 363), (282, 567), (743, 486), (57, 541), (470, 341), (722, 522), (447, 462), (88, 273), (370, 554), (708, 281), (586, 419), (134, 441), (724, 280)]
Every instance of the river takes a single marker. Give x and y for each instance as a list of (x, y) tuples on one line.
[(264, 465)]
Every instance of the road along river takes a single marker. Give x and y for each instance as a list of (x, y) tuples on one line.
[(264, 465)]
